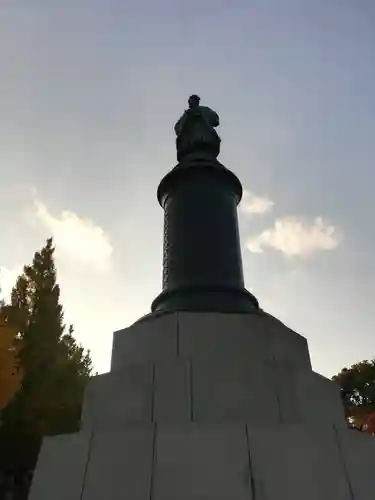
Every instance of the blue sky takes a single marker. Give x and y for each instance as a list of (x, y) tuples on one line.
[(89, 94)]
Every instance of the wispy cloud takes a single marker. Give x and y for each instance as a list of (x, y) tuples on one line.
[(251, 204), (81, 238), (295, 237)]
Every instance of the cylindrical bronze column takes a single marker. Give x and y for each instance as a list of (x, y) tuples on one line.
[(202, 264)]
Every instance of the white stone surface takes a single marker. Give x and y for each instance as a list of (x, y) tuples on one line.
[(149, 340), (358, 451), (292, 463), (221, 335), (120, 465), (200, 377), (226, 389), (307, 397), (319, 400), (61, 468), (201, 462), (172, 397), (287, 345), (124, 396)]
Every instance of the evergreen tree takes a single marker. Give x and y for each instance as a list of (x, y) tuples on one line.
[(55, 368), (10, 375)]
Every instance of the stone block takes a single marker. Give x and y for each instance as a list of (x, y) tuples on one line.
[(172, 391), (150, 340), (358, 449), (120, 464), (319, 400), (286, 344), (307, 397), (228, 389), (60, 471), (124, 396), (289, 463), (221, 335), (196, 462)]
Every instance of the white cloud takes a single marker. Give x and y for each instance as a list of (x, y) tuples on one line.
[(251, 204), (82, 239), (8, 279), (294, 237)]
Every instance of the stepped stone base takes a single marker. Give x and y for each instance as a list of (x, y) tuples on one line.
[(201, 406)]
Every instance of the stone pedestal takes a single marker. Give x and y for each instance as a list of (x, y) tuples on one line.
[(209, 406)]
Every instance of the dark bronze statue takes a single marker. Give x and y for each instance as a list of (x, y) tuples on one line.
[(196, 134)]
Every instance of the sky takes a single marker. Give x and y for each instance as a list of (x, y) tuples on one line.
[(90, 91)]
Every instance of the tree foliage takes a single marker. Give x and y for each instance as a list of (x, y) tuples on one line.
[(358, 394), (9, 373), (55, 369)]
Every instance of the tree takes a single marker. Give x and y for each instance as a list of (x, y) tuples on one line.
[(358, 394), (55, 369), (10, 375)]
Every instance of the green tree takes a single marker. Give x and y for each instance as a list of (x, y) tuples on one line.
[(55, 368), (358, 394)]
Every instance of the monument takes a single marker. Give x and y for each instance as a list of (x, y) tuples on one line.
[(208, 396)]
